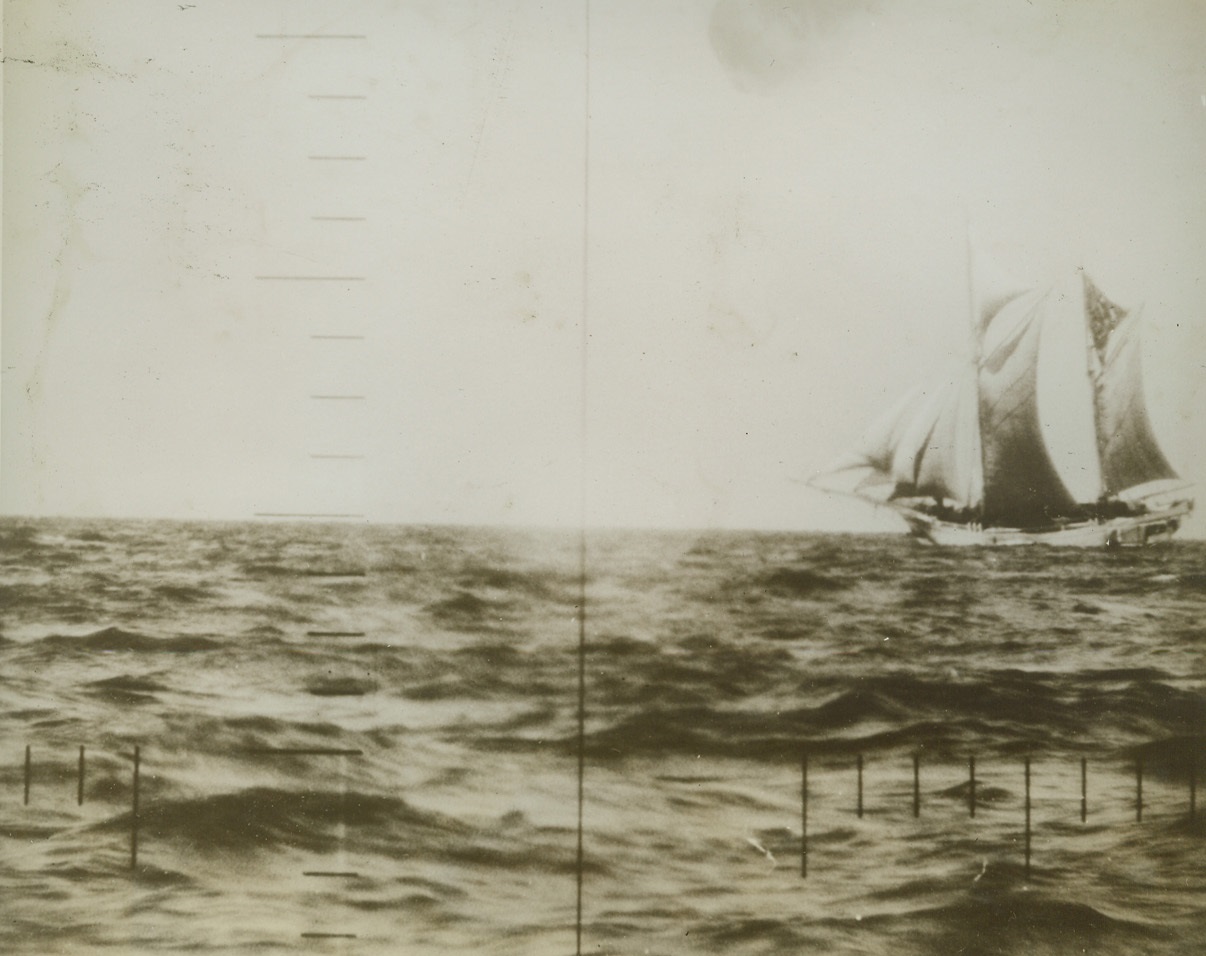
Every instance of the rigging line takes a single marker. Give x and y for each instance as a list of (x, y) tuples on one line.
[(584, 340)]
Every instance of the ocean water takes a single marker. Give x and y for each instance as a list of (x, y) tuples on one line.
[(443, 663)]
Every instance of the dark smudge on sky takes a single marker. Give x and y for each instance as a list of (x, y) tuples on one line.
[(764, 43)]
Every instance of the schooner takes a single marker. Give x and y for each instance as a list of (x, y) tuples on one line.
[(975, 461)]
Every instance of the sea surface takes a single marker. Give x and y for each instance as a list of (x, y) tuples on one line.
[(364, 739)]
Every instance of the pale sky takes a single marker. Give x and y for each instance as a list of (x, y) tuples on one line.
[(776, 199)]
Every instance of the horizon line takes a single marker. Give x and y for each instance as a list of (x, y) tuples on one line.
[(360, 520)]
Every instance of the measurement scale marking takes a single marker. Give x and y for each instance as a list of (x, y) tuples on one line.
[(330, 574), (311, 36), (310, 278), (302, 514), (301, 752), (584, 341)]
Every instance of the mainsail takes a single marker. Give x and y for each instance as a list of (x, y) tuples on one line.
[(1022, 487), (1130, 455)]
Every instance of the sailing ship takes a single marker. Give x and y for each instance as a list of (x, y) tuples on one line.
[(1043, 437)]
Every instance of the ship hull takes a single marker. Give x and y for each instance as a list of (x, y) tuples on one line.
[(1153, 527)]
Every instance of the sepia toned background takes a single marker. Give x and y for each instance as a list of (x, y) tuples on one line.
[(779, 200), (351, 348)]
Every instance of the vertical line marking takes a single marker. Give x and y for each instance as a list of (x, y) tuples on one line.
[(584, 339), (341, 828), (860, 786), (1027, 765), (79, 796), (1193, 786), (916, 785), (804, 814), (971, 784), (134, 815), (1084, 789)]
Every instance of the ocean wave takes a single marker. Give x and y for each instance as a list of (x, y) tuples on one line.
[(1193, 581), (271, 726), (544, 585), (1019, 922), (128, 682), (802, 582), (691, 696), (253, 570), (692, 730), (246, 738), (341, 687), (712, 661), (264, 818), (117, 639), (466, 611), (265, 631), (946, 588), (269, 819), (752, 736), (1175, 758), (985, 794), (1012, 712), (772, 934), (182, 593), (126, 689), (490, 670)]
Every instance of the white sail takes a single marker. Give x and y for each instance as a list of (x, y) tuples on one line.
[(882, 441), (925, 445), (948, 463), (1064, 392), (1022, 488), (1130, 454), (866, 470)]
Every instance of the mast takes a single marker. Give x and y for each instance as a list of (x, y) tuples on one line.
[(1093, 367), (977, 331)]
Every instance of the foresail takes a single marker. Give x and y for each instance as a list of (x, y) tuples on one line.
[(926, 445), (1130, 454), (881, 441), (1022, 488), (865, 470), (946, 461)]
